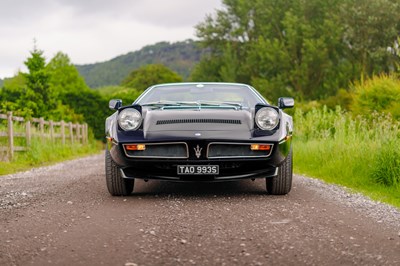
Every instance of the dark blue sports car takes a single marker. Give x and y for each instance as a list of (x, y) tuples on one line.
[(199, 132)]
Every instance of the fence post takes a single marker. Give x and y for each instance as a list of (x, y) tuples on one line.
[(79, 129), (63, 132), (71, 132), (28, 133), (76, 126), (86, 133), (10, 136), (51, 124), (41, 126)]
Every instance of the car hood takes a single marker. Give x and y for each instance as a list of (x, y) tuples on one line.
[(216, 124)]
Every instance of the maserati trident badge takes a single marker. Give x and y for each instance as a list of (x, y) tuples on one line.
[(197, 150)]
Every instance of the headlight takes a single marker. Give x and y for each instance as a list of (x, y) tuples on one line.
[(129, 119), (267, 118)]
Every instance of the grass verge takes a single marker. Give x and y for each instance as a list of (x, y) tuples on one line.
[(361, 154), (42, 154)]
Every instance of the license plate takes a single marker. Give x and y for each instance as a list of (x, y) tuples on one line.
[(198, 169)]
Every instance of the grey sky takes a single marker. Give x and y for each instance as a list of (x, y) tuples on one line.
[(92, 31)]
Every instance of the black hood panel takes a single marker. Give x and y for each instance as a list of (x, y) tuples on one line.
[(205, 123)]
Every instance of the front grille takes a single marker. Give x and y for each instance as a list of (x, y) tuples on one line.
[(199, 121), (177, 150), (234, 150)]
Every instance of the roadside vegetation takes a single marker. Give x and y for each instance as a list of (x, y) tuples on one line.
[(45, 153), (356, 152), (55, 91), (343, 74)]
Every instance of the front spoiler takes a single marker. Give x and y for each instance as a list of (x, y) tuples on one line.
[(267, 173)]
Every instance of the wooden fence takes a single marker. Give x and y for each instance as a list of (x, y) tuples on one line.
[(45, 130)]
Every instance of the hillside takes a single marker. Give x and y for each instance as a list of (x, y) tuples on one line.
[(1, 83), (179, 56)]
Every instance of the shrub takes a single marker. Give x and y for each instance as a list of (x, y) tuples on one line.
[(386, 169), (379, 93)]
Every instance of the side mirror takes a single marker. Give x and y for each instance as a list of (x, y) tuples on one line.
[(285, 102), (115, 104)]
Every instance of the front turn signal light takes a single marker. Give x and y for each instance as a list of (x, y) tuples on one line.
[(135, 147), (260, 147)]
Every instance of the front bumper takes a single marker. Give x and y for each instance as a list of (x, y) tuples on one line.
[(229, 168)]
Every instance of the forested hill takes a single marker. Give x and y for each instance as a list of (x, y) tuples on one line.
[(179, 56), (1, 83)]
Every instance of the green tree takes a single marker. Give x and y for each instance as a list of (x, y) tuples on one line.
[(63, 75), (54, 91), (76, 101), (37, 82), (149, 75), (371, 28), (15, 96), (309, 49)]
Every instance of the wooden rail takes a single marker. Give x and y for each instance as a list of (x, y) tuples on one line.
[(45, 130)]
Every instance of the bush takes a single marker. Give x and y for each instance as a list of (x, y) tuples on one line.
[(386, 169), (379, 93)]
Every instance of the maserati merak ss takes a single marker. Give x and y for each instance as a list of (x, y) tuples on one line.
[(199, 132)]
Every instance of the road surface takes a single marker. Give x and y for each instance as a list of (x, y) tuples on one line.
[(63, 215)]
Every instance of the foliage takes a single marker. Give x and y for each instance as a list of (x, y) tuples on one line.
[(92, 106), (207, 70), (16, 97), (127, 95), (379, 93), (63, 75), (148, 75), (39, 91), (342, 98), (43, 153), (180, 57), (357, 152), (75, 95), (54, 91), (30, 94), (306, 49), (386, 168), (1, 83)]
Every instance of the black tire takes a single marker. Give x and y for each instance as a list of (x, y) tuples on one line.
[(116, 184), (282, 183)]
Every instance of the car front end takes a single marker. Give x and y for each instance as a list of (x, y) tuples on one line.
[(199, 140)]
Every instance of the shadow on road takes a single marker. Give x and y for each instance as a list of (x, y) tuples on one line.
[(206, 189)]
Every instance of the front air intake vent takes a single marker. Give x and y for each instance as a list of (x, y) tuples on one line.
[(199, 121)]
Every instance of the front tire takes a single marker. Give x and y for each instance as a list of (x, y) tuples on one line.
[(282, 183), (116, 184)]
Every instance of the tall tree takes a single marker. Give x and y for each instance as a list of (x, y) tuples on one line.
[(37, 81), (308, 49), (63, 75), (73, 94)]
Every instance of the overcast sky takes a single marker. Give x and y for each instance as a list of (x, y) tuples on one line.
[(92, 31)]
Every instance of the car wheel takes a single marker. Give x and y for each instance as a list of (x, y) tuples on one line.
[(116, 184), (282, 183)]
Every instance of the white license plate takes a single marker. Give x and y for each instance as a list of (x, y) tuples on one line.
[(198, 169)]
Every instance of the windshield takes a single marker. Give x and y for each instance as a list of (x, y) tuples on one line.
[(235, 96)]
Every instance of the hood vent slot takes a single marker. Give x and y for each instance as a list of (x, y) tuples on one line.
[(199, 121)]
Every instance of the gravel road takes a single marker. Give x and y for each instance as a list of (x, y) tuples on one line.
[(63, 215)]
